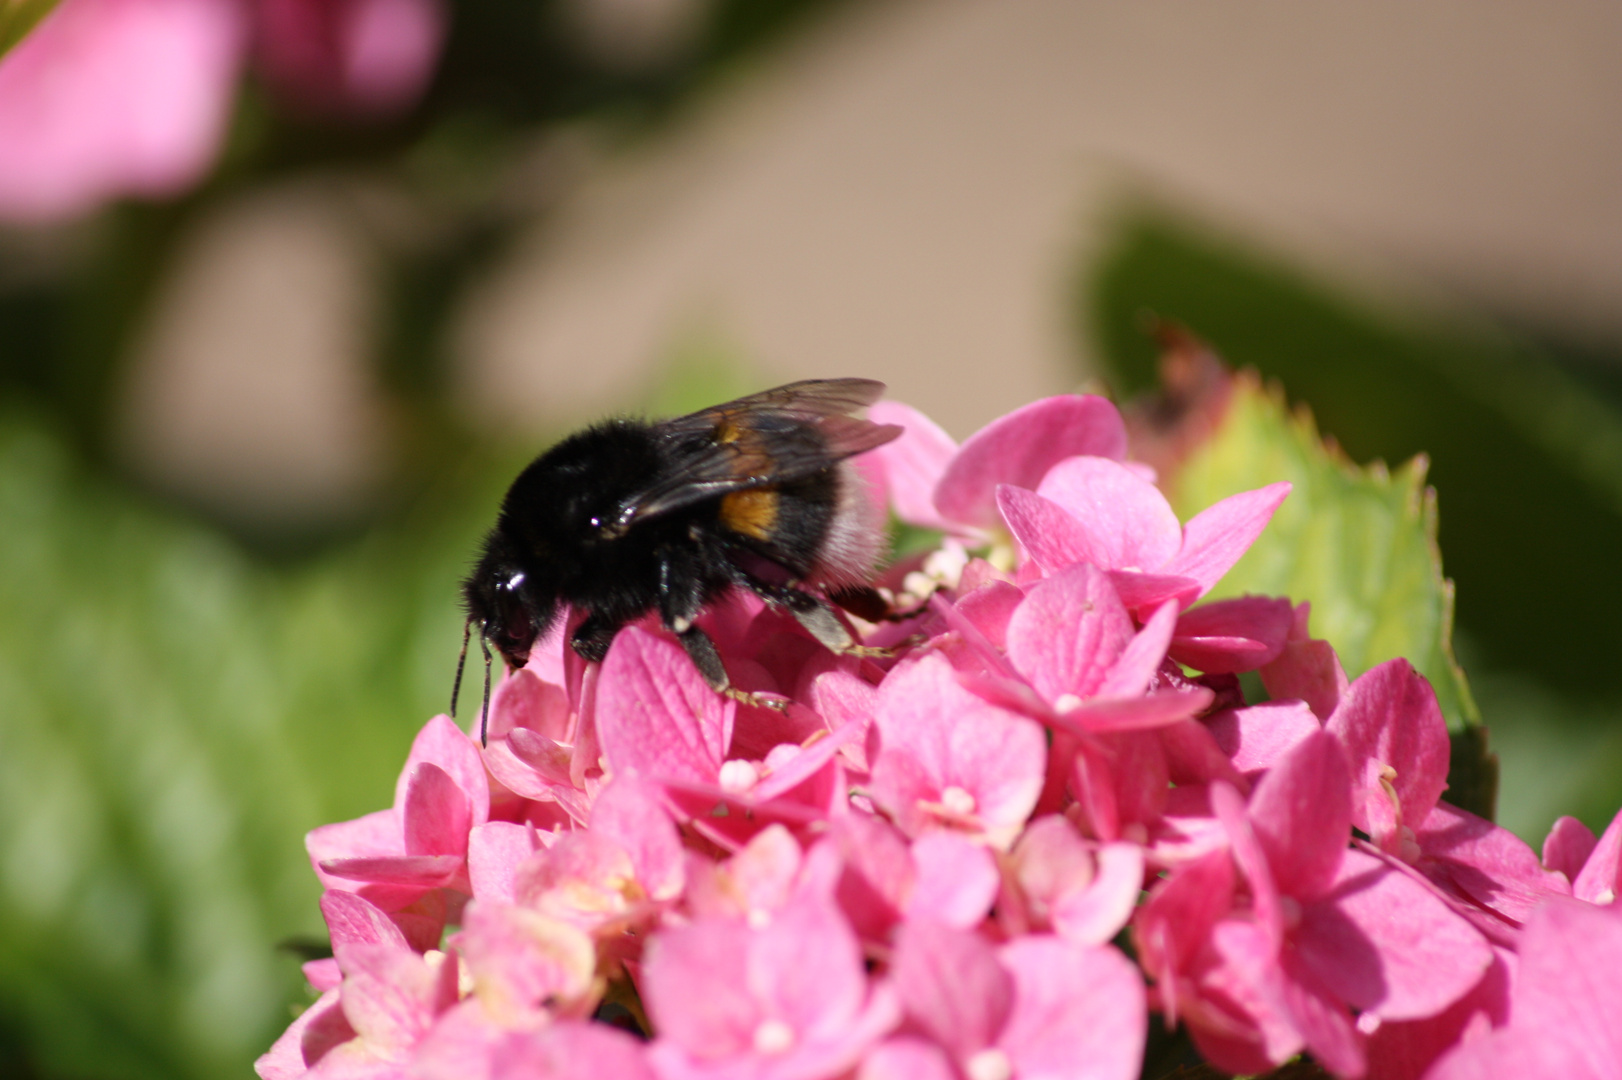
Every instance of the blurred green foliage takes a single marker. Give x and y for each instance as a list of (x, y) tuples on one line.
[(1525, 450)]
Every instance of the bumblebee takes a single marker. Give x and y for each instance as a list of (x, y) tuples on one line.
[(628, 517)]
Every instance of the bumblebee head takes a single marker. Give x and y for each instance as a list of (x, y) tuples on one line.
[(506, 608)]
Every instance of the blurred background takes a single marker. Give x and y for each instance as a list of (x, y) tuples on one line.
[(289, 289)]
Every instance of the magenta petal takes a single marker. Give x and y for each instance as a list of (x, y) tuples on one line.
[(1568, 846), (951, 986), (1310, 671), (1389, 945), (1388, 719), (1134, 525), (436, 816), (1159, 709), (913, 463), (1570, 980), (1251, 859), (1078, 1011), (1215, 538), (1489, 864), (376, 834), (1138, 663), (656, 715), (1255, 737), (1171, 927), (1301, 810), (1021, 447), (1068, 633), (1598, 880), (354, 920), (1146, 592), (1049, 535), (1226, 636)]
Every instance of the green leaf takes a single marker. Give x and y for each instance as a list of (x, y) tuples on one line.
[(17, 17), (1358, 543)]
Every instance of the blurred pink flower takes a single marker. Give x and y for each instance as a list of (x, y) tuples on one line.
[(113, 98), (107, 98), (355, 57)]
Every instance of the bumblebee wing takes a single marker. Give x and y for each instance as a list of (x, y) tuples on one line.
[(768, 438)]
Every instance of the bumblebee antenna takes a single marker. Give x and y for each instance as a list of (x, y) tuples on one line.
[(461, 661), (484, 710)]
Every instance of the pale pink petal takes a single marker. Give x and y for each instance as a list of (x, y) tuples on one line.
[(570, 1050), (913, 463), (1132, 525), (1255, 737), (494, 851), (956, 882), (287, 1060), (107, 98), (1216, 537), (1079, 1012), (436, 817), (1598, 880), (629, 813), (951, 986), (523, 699), (520, 958), (388, 994), (656, 715), (419, 871), (1095, 914), (323, 974), (1568, 846), (1387, 944), (1226, 636), (993, 757), (375, 835), (1301, 812), (1021, 447), (353, 920), (448, 747), (1396, 741), (907, 1057), (1068, 633)]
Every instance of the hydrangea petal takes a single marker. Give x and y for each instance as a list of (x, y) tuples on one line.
[(951, 986), (1598, 880), (656, 715), (1131, 524), (1078, 1012), (1226, 636), (1256, 736), (1068, 633), (913, 463), (1568, 846), (1215, 538), (1396, 740), (1301, 812), (1020, 447), (1046, 532)]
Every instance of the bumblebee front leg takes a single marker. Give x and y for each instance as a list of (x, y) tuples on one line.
[(678, 608)]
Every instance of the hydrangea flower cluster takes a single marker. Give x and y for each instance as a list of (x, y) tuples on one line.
[(989, 856)]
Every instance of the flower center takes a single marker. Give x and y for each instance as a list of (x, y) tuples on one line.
[(989, 1064), (773, 1037), (957, 802)]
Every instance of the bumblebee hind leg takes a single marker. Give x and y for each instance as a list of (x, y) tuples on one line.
[(816, 615)]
